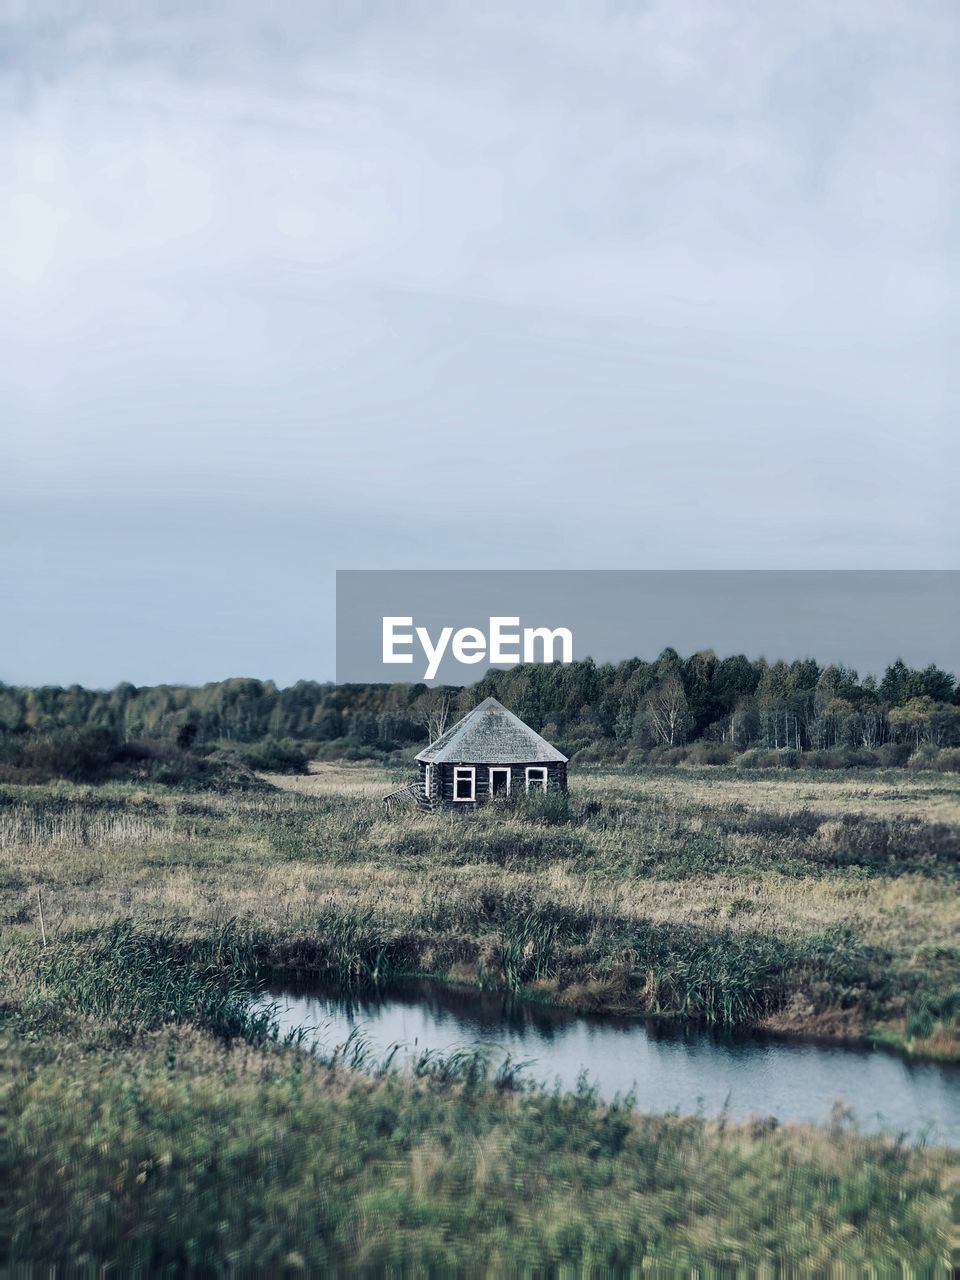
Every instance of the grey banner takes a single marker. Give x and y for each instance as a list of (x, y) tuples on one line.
[(447, 627)]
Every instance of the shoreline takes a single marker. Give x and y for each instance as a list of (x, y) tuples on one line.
[(874, 1041)]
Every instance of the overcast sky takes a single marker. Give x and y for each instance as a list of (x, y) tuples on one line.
[(291, 288)]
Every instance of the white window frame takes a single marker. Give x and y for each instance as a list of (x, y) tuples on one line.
[(499, 768), (469, 771), (428, 781), (544, 777)]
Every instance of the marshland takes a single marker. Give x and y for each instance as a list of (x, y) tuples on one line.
[(141, 1077)]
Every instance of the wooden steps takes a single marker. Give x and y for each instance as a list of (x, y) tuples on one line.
[(405, 798)]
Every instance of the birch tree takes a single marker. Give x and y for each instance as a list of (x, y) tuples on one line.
[(667, 713)]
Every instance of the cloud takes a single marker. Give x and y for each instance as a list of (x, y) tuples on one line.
[(674, 280)]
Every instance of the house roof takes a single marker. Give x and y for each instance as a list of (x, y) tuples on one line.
[(490, 734)]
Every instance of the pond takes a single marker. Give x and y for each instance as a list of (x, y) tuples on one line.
[(668, 1068)]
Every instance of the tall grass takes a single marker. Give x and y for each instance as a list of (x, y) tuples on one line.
[(185, 1157), (527, 949), (137, 979), (141, 975), (806, 902), (158, 1125), (26, 828)]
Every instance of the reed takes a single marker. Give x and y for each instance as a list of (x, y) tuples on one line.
[(137, 980), (158, 1123), (809, 904), (188, 1155)]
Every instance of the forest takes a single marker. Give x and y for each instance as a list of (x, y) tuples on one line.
[(701, 709)]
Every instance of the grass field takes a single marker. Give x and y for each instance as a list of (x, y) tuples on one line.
[(156, 1124), (823, 904)]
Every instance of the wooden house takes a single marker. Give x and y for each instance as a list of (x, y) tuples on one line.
[(490, 753)]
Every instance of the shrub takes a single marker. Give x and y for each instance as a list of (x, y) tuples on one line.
[(825, 758), (602, 752), (79, 755), (711, 753), (841, 758), (925, 757), (785, 758), (949, 760), (272, 755), (159, 760), (667, 755), (893, 754)]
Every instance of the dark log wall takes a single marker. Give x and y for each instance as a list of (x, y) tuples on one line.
[(442, 784)]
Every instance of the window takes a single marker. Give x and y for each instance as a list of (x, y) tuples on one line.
[(428, 781), (464, 782), (536, 779), (499, 782)]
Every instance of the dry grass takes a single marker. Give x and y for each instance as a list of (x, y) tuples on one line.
[(155, 1127), (890, 793), (327, 779), (707, 851), (23, 831)]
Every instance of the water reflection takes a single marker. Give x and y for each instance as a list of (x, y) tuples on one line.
[(668, 1068)]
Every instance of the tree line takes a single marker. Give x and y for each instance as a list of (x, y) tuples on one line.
[(701, 707)]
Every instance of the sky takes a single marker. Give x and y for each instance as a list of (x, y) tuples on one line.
[(290, 289)]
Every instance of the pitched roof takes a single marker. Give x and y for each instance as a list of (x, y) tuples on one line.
[(490, 734)]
